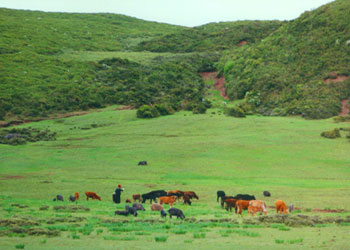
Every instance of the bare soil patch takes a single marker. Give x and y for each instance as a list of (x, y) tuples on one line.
[(242, 43), (219, 82), (338, 78), (125, 108), (345, 107), (10, 177)]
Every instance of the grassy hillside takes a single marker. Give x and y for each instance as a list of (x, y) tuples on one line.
[(203, 153), (40, 75), (287, 69), (211, 37)]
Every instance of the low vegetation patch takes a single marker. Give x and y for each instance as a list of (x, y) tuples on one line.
[(332, 134), (19, 136)]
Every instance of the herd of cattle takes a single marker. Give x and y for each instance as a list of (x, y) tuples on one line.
[(240, 202)]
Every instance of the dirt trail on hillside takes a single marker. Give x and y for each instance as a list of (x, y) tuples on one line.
[(219, 82)]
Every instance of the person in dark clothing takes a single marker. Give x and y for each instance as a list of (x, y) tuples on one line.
[(117, 193)]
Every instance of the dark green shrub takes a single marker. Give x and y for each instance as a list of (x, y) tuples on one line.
[(147, 111), (160, 238), (235, 111), (199, 109), (332, 134), (164, 109)]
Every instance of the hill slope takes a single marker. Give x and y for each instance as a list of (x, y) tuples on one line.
[(42, 73), (211, 37), (290, 68)]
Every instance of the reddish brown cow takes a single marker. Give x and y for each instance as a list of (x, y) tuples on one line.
[(240, 205), (191, 194), (167, 200), (187, 200), (128, 201), (92, 195), (281, 207), (176, 193), (230, 203), (136, 197), (76, 196)]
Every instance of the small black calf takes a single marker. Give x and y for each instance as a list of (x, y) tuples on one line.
[(58, 198), (176, 212), (220, 194), (142, 163), (267, 193)]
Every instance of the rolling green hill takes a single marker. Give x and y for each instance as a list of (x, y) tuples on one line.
[(211, 37), (54, 62), (287, 69)]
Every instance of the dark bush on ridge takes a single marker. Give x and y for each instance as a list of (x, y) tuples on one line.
[(164, 109)]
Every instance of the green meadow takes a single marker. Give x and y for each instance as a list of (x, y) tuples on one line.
[(203, 153)]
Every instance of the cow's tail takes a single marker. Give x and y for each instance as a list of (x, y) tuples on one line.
[(264, 208)]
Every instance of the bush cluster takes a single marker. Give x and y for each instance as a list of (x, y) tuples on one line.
[(19, 136), (235, 112), (332, 134)]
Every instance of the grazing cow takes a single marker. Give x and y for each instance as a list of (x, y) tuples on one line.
[(125, 213), (187, 200), (58, 198), (92, 195), (142, 163), (267, 194), (156, 207), (230, 203), (258, 206), (153, 195), (220, 194), (291, 208), (281, 207), (225, 198), (245, 197), (71, 198), (176, 193), (127, 201), (76, 196), (138, 206), (131, 210), (167, 200), (191, 194), (162, 213), (136, 197), (176, 212), (240, 206), (253, 210)]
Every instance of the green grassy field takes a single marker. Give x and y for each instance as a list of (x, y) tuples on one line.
[(203, 153)]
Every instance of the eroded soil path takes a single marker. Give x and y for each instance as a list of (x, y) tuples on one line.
[(219, 82)]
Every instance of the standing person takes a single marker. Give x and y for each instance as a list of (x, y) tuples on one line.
[(117, 193)]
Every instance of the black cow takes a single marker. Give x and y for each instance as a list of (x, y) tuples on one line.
[(245, 197), (267, 193), (220, 194), (72, 198), (131, 210), (176, 212), (138, 206), (163, 214), (142, 163), (125, 213), (58, 198), (153, 195)]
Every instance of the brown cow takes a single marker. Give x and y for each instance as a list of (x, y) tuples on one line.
[(225, 198), (191, 194), (176, 193), (187, 199), (136, 197), (281, 207), (76, 196), (230, 203), (257, 206), (92, 195), (156, 207), (127, 201), (240, 205), (167, 200)]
